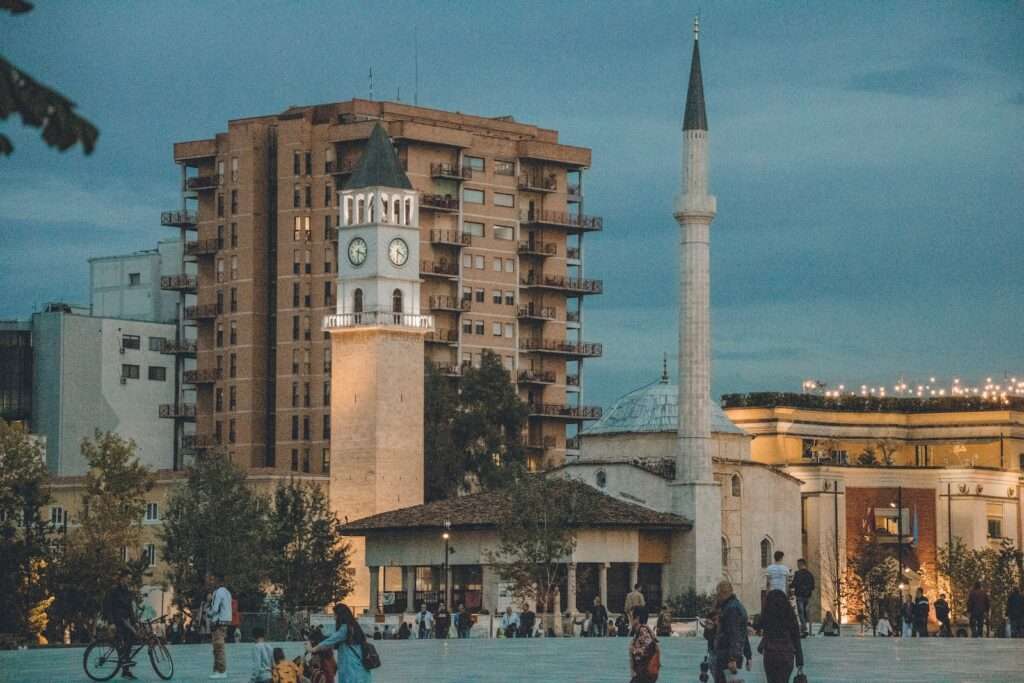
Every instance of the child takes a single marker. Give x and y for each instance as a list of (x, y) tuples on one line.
[(262, 658), (328, 666), (285, 671)]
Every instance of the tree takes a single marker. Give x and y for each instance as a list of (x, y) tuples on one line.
[(215, 523), (872, 578), (690, 604), (307, 563), (473, 436), (25, 553), (998, 569), (39, 106)]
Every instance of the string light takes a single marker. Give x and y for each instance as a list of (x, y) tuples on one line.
[(997, 392)]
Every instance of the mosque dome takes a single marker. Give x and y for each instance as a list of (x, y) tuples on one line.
[(653, 408)]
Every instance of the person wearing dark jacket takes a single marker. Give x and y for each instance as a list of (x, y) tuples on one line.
[(803, 587), (977, 609), (121, 613), (780, 639), (442, 621), (731, 641), (600, 618), (921, 610), (942, 615), (1015, 613)]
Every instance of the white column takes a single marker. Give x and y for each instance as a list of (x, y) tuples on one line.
[(571, 588), (410, 589)]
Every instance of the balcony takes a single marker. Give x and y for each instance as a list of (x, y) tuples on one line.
[(450, 171), (536, 377), (532, 312), (573, 443), (565, 412), (542, 249), (575, 193), (561, 219), (563, 283), (178, 411), (439, 202), (201, 312), (450, 337), (449, 303), (448, 370), (198, 442), (562, 348), (179, 219), (572, 380), (572, 253), (540, 444), (537, 182), (179, 283), (442, 269), (572, 317), (342, 167), (202, 247), (342, 321), (205, 376), (452, 238), (203, 182), (183, 348)]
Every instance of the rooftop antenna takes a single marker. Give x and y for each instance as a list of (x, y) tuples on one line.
[(371, 83), (416, 65), (696, 26), (398, 94)]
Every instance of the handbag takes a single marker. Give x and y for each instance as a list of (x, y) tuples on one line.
[(653, 666), (800, 678)]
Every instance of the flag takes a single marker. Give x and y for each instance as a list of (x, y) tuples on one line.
[(915, 529)]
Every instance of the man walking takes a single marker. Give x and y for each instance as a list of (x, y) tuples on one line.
[(731, 644), (634, 599), (977, 609), (942, 614), (803, 587), (424, 622), (921, 611), (220, 619), (777, 574), (1015, 613), (600, 618)]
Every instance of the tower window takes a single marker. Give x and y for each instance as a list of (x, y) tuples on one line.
[(766, 552), (357, 301), (396, 301), (737, 488)]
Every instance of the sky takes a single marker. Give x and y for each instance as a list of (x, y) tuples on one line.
[(868, 158)]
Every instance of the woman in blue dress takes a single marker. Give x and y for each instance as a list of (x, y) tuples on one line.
[(348, 639)]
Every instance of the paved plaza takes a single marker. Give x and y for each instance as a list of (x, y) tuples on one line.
[(586, 660)]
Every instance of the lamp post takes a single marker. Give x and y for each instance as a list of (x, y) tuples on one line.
[(446, 536)]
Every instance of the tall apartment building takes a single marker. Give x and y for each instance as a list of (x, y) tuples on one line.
[(502, 231)]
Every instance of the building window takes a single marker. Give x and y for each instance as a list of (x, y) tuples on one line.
[(308, 253), (890, 523), (725, 552), (474, 229), (232, 398), (478, 327), (57, 515), (510, 298), (309, 163), (295, 394), (234, 169), (295, 295), (232, 365), (157, 373), (475, 164), (296, 196), (231, 430), (220, 270), (306, 400), (220, 334), (131, 341), (807, 449), (766, 552), (478, 295), (510, 265), (496, 329), (234, 202), (473, 196), (234, 300), (234, 235), (305, 460), (309, 196), (150, 554), (295, 328), (295, 361), (152, 512), (994, 514), (295, 427), (307, 298), (156, 344), (327, 394), (508, 332), (129, 371), (220, 204), (297, 163), (736, 486), (496, 296), (328, 292), (504, 199), (295, 459), (234, 267), (327, 196), (357, 301), (478, 262), (307, 332), (233, 327), (396, 301), (325, 460), (134, 279), (467, 326), (218, 400), (327, 427), (297, 261), (503, 167), (503, 232)]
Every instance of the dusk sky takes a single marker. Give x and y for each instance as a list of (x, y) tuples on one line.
[(868, 158)]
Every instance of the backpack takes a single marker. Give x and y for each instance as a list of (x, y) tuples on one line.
[(371, 660)]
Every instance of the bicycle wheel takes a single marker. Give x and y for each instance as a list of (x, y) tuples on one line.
[(101, 661), (160, 658)]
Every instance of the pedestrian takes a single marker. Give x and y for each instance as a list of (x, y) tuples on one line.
[(621, 626), (803, 587), (883, 627), (611, 630), (404, 631), (220, 618), (907, 618), (463, 622), (1015, 612), (509, 624), (175, 632), (777, 574), (644, 655), (285, 670), (942, 614), (732, 644), (635, 598), (921, 610), (527, 622), (829, 625), (442, 621), (348, 639), (262, 658), (663, 628), (424, 622), (119, 609), (600, 618), (780, 639), (977, 609)]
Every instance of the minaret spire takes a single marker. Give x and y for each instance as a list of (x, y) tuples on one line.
[(695, 117)]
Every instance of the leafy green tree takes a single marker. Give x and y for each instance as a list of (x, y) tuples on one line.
[(307, 563), (473, 436), (39, 106), (872, 579), (215, 523), (24, 553), (998, 569), (691, 604)]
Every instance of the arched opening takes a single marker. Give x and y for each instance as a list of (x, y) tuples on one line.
[(385, 209), (397, 206), (725, 553), (357, 301), (408, 210), (372, 199), (766, 552), (348, 211), (396, 301), (360, 210), (737, 487)]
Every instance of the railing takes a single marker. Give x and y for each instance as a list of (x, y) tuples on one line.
[(178, 219), (442, 269), (537, 182), (448, 303), (448, 370), (572, 316), (572, 284), (451, 237), (203, 182), (204, 376), (541, 444), (575, 192), (171, 347), (583, 349), (202, 247), (443, 170), (537, 312), (439, 202), (198, 441), (183, 282), (378, 318), (563, 219), (342, 167), (573, 443), (202, 312), (572, 253), (536, 377), (538, 248), (560, 410), (572, 380), (178, 410), (442, 337)]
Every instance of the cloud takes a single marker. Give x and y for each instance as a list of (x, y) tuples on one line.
[(52, 200), (922, 80)]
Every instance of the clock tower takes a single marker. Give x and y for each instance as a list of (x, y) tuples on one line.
[(376, 350)]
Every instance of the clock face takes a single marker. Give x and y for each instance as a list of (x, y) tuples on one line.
[(357, 251), (398, 251)]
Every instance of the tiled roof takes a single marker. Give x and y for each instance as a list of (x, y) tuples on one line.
[(483, 510), (379, 165)]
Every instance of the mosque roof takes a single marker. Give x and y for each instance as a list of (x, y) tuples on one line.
[(653, 408), (379, 165)]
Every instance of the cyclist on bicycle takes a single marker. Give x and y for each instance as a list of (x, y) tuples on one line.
[(121, 613)]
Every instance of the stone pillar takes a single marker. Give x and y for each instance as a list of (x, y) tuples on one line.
[(410, 588), (374, 589), (666, 586), (634, 574), (570, 584), (602, 583)]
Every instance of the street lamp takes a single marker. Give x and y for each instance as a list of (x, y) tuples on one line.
[(446, 536)]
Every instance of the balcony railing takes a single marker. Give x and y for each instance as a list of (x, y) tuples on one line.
[(537, 182), (340, 321), (575, 192), (442, 337), (179, 283), (534, 312), (439, 202), (450, 171), (563, 219), (203, 182), (449, 303), (572, 380), (540, 444), (572, 253), (202, 247), (440, 269), (572, 316), (561, 282), (204, 376), (536, 377), (452, 238), (198, 441), (201, 312), (178, 219), (573, 443), (341, 167), (565, 348), (565, 411), (184, 348), (448, 369), (532, 248), (178, 411)]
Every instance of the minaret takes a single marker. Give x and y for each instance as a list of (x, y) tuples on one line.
[(697, 496)]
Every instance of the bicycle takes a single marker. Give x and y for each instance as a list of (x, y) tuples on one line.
[(102, 661)]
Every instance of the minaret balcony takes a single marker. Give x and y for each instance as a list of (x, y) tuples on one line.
[(561, 347), (449, 303), (532, 312), (451, 238), (178, 411), (534, 248), (562, 219), (184, 348), (536, 377), (443, 269), (450, 171), (343, 321), (565, 412), (562, 283), (203, 247), (203, 182), (179, 283), (535, 182), (204, 376), (449, 337), (179, 219), (439, 202), (202, 312)]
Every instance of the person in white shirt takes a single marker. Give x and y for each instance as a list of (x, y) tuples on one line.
[(777, 574), (509, 623), (883, 627), (220, 619), (424, 622)]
